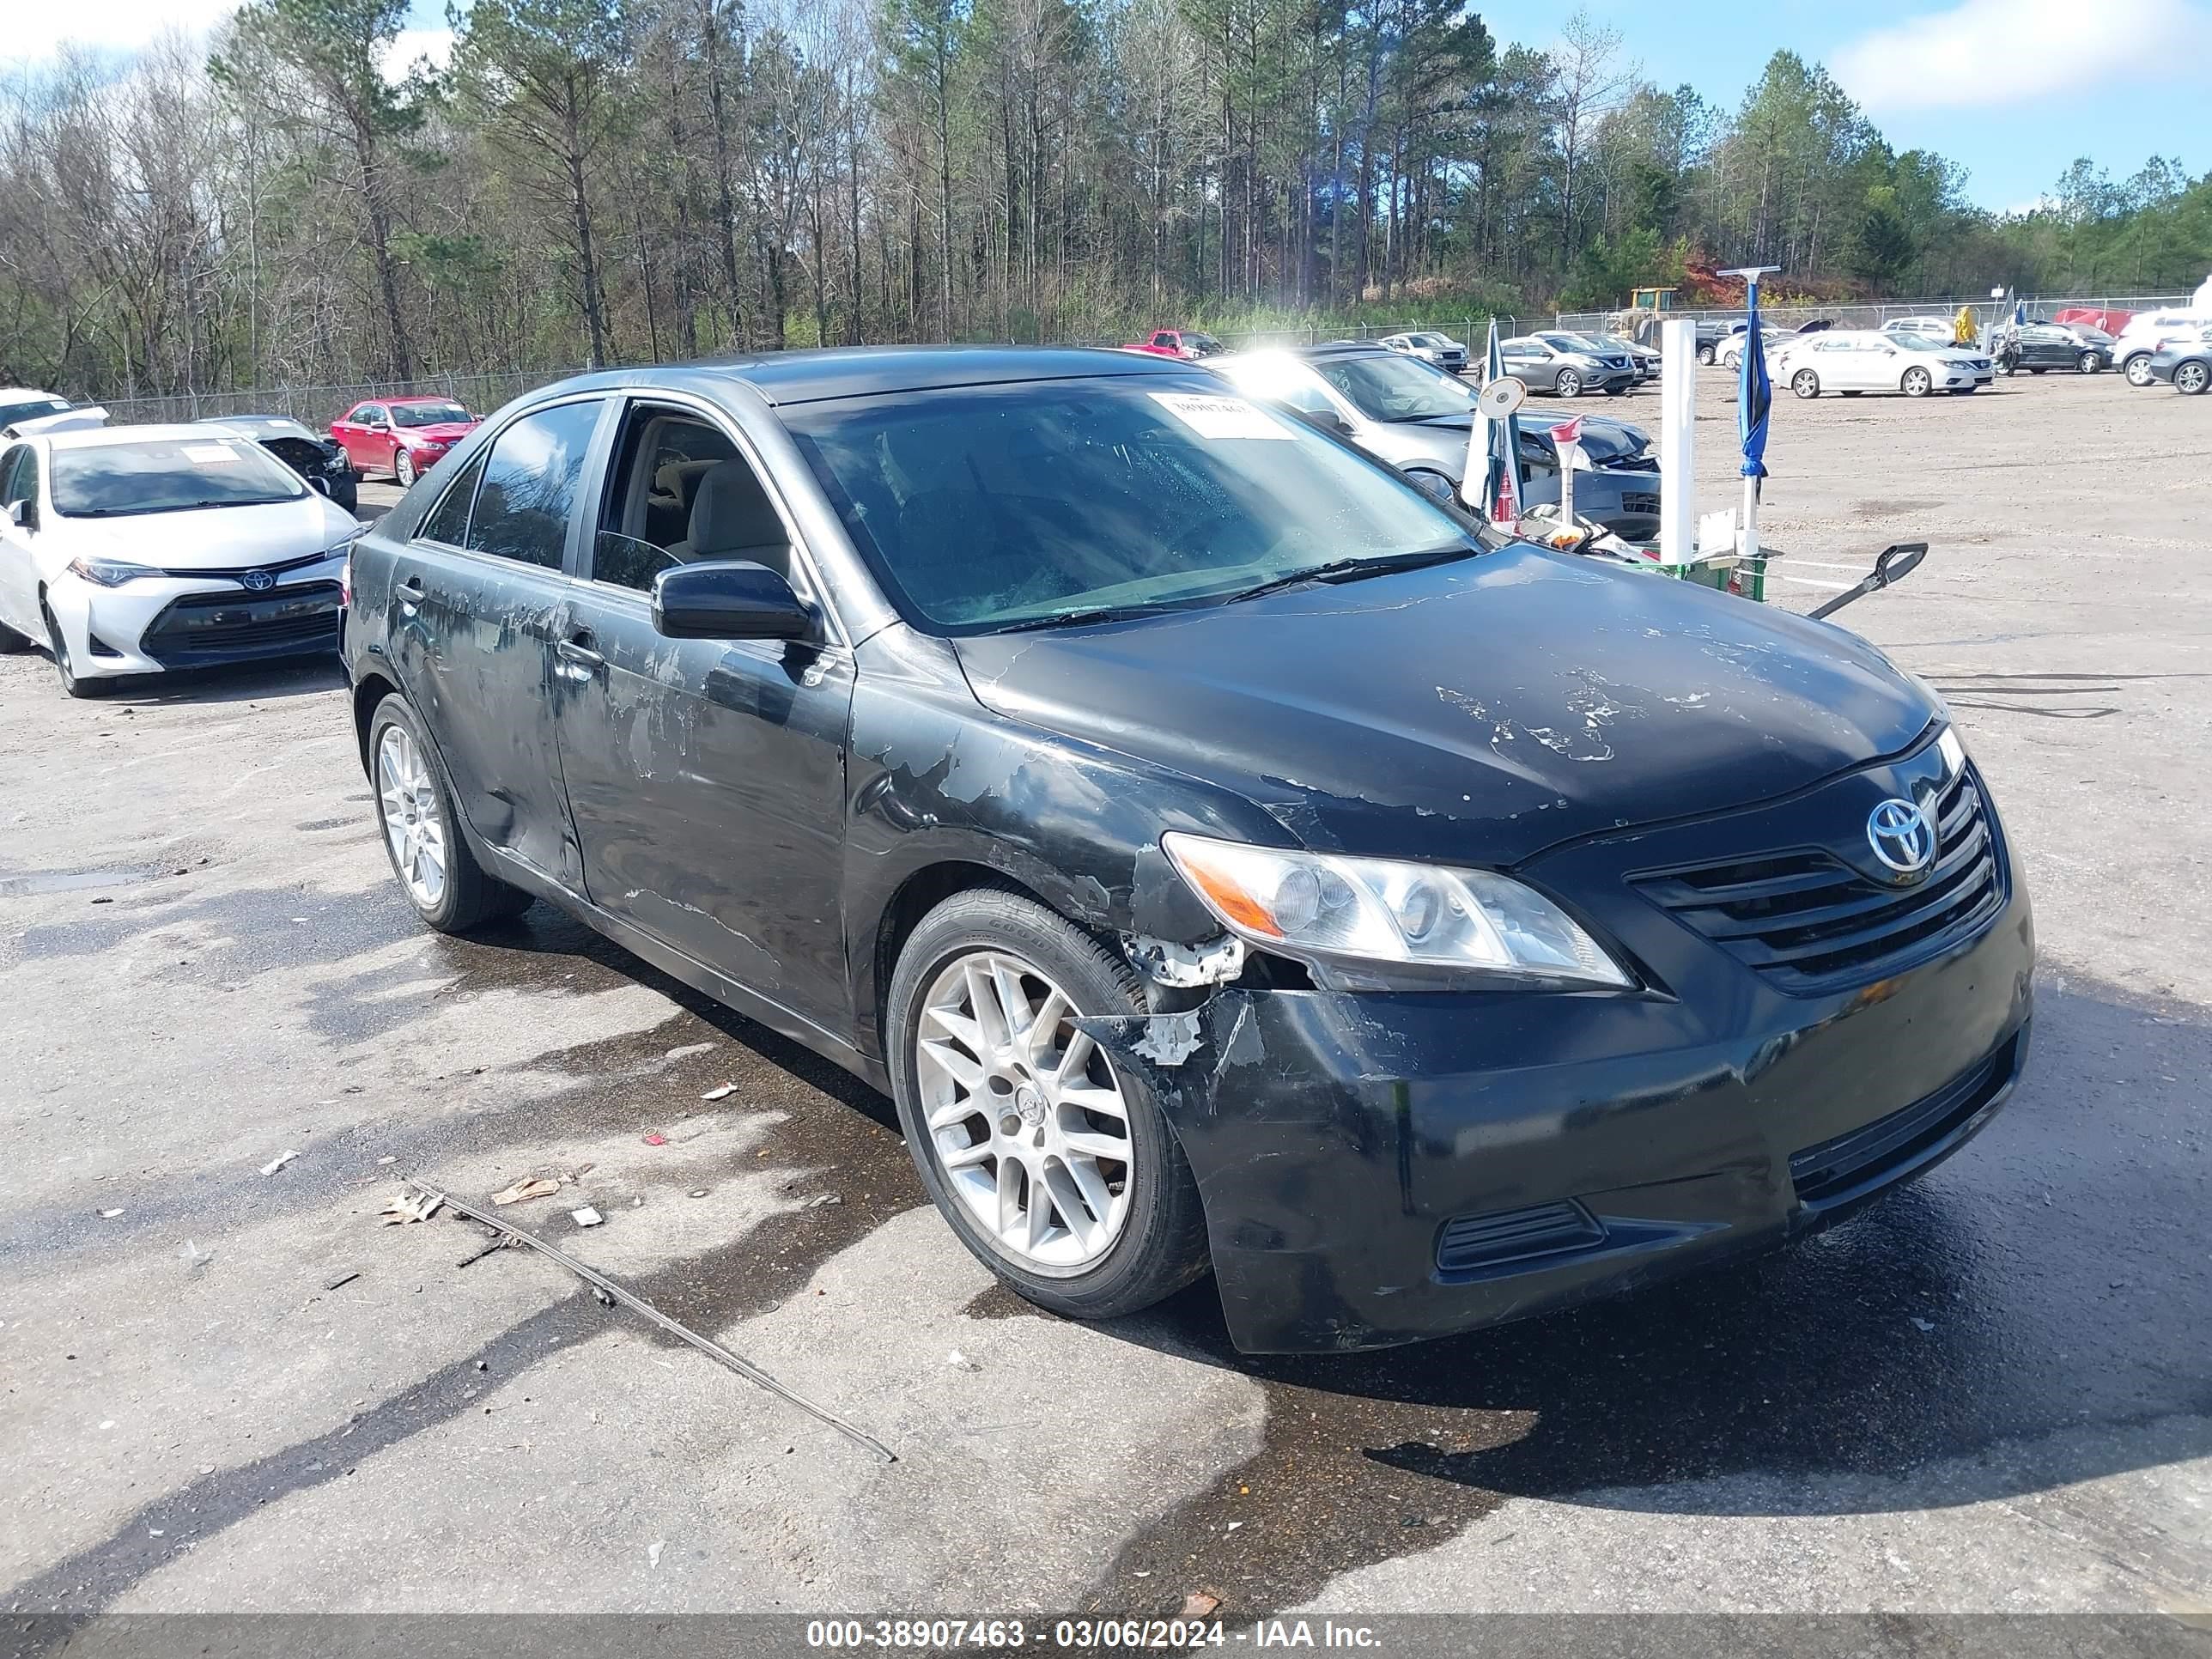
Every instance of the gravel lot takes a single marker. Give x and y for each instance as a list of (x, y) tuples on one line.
[(230, 1391)]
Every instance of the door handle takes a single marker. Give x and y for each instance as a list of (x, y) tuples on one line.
[(410, 592), (583, 660)]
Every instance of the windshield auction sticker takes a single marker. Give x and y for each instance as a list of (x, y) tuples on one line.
[(1220, 418)]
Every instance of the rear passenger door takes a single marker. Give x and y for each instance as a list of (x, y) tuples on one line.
[(479, 599), (706, 778)]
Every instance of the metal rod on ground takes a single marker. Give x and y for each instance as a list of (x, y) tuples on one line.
[(636, 1304)]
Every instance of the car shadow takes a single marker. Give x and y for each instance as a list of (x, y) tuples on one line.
[(240, 682)]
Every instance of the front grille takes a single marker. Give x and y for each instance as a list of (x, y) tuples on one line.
[(275, 568), (211, 628), (1846, 1163), (1470, 1242), (1636, 501), (1810, 923)]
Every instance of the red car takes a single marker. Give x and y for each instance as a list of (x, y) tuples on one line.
[(1177, 343), (403, 436)]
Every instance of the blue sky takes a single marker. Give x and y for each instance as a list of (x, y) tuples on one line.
[(2011, 89)]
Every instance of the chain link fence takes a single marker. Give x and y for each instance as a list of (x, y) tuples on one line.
[(1873, 316), (316, 406)]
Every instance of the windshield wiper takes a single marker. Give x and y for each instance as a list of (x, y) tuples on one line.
[(1103, 613), (1351, 570)]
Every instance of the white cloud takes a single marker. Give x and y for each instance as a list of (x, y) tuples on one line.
[(37, 31), (1983, 53), (414, 45)]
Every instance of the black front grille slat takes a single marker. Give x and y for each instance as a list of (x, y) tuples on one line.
[(194, 630), (1811, 922)]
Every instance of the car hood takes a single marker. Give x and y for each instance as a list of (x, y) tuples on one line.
[(1478, 711), (445, 432), (1606, 441), (217, 538)]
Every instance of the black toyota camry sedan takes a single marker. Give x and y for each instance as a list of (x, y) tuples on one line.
[(1229, 858)]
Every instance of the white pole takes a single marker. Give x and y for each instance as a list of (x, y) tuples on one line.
[(1570, 452), (1750, 518), (1678, 417)]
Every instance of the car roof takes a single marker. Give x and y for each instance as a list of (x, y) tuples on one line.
[(424, 397), (14, 393), (814, 376)]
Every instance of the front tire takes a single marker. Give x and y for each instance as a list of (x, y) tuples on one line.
[(1053, 1165), (2137, 369), (440, 875), (1915, 383), (84, 689), (2087, 363), (2189, 379), (403, 468), (1805, 383), (1569, 385)]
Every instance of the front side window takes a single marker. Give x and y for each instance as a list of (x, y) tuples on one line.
[(430, 415), (167, 474), (982, 508), (531, 480), (19, 476), (369, 414), (680, 492)]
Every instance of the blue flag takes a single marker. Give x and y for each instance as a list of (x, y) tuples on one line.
[(1754, 393)]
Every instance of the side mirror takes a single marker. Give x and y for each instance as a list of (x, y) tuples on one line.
[(729, 600), (23, 515), (1898, 561)]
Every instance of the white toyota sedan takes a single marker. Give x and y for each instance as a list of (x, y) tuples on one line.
[(132, 550), (1854, 360)]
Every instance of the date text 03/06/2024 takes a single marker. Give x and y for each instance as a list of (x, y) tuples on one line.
[(1091, 1634)]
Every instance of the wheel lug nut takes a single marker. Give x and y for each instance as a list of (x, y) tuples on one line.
[(1011, 1124)]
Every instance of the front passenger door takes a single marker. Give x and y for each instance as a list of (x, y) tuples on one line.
[(19, 575), (706, 777)]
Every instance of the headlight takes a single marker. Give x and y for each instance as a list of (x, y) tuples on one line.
[(1953, 749), (108, 573), (1386, 911), (1432, 484)]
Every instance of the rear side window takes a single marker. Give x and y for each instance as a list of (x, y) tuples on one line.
[(448, 522), (531, 479)]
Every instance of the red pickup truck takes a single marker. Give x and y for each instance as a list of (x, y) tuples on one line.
[(1177, 343)]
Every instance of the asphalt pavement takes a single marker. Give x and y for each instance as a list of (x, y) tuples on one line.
[(226, 1390)]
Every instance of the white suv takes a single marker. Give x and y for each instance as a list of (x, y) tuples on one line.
[(2139, 341)]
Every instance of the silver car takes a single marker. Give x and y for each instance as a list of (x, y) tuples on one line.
[(1420, 419), (1441, 350), (1567, 364)]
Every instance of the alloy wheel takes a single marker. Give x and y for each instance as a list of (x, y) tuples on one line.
[(1025, 1118), (2191, 378), (2139, 369), (403, 468), (2086, 363), (1805, 383), (414, 825), (1916, 382), (1570, 384)]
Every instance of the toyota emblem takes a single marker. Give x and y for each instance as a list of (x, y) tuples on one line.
[(1902, 835), (258, 581)]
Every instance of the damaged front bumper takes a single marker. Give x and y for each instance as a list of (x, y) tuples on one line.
[(1379, 1168)]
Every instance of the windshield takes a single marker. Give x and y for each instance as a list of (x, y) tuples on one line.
[(267, 426), (1919, 342), (979, 508), (430, 414), (109, 481), (1395, 388)]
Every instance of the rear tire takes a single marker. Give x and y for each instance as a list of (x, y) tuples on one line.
[(1805, 383), (2137, 368), (1152, 1239), (1705, 355), (411, 791)]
